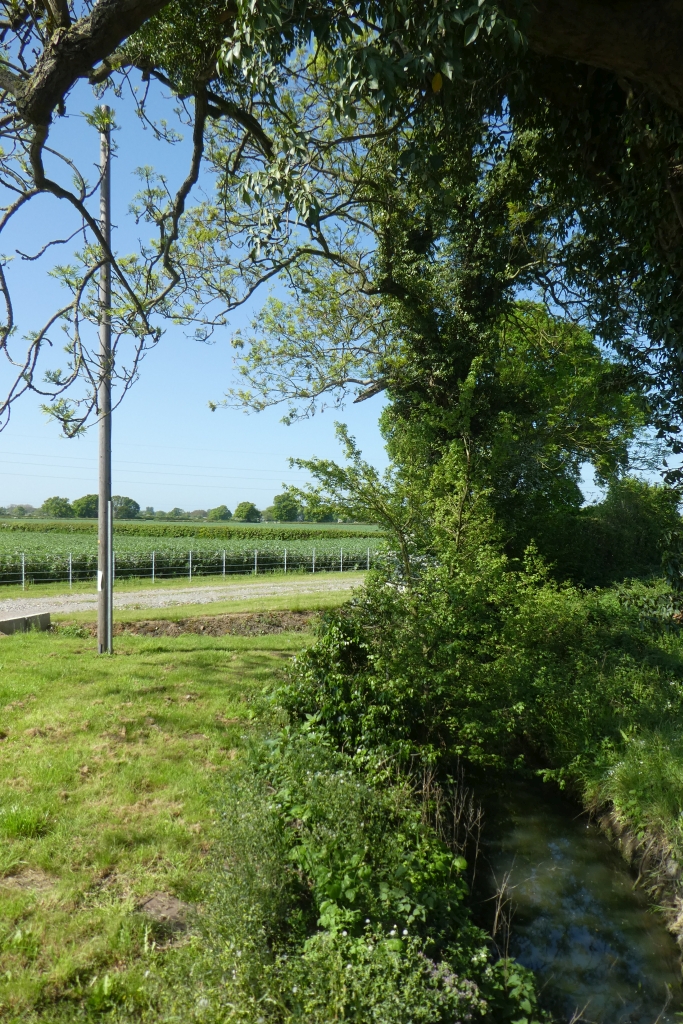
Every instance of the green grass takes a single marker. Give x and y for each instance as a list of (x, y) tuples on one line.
[(107, 769)]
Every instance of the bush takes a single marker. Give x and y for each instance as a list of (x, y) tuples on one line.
[(620, 538), (336, 900), (492, 664)]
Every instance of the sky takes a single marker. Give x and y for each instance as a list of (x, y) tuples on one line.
[(169, 449)]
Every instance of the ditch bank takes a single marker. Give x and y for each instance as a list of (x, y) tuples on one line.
[(655, 865)]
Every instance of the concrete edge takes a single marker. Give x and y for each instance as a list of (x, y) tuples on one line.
[(23, 623)]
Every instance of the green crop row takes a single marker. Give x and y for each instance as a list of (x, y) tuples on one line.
[(177, 561), (48, 545), (307, 531)]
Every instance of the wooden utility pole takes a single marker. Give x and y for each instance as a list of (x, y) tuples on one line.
[(104, 509)]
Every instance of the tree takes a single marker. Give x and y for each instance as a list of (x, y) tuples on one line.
[(219, 514), (86, 507), (285, 508), (56, 508), (493, 447), (124, 508), (246, 512), (358, 492), (639, 41), (584, 163)]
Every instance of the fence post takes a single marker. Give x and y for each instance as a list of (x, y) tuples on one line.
[(153, 566), (341, 560), (313, 559), (70, 576), (255, 562), (190, 564), (23, 571), (368, 565), (285, 559), (224, 563)]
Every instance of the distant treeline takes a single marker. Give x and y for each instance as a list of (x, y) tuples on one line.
[(286, 508)]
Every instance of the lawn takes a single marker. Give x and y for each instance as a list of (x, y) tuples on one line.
[(108, 768)]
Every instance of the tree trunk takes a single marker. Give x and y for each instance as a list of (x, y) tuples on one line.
[(641, 40)]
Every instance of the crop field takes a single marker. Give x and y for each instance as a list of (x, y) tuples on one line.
[(50, 556)]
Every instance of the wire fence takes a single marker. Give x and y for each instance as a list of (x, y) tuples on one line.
[(71, 568)]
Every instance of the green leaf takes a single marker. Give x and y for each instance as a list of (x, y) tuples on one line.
[(471, 33)]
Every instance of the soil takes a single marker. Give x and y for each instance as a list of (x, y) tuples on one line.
[(236, 624)]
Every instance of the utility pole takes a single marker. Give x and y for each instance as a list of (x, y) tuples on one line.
[(104, 509)]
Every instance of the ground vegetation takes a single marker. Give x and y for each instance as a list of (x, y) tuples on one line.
[(108, 780), (40, 557)]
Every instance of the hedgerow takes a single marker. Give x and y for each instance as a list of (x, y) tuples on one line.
[(217, 531)]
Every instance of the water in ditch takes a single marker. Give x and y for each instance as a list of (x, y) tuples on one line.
[(599, 952)]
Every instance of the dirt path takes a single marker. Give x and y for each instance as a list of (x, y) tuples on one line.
[(166, 598)]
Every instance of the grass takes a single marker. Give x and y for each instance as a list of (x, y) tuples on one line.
[(107, 768), (140, 583)]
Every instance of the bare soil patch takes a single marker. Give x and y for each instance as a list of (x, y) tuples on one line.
[(166, 910), (237, 624), (29, 880)]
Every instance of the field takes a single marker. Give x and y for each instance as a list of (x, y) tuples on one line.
[(108, 772), (49, 555)]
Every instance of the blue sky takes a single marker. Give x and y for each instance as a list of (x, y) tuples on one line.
[(168, 448)]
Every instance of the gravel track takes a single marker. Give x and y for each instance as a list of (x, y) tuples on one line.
[(166, 598)]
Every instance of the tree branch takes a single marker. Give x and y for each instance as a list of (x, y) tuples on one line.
[(71, 53), (638, 39)]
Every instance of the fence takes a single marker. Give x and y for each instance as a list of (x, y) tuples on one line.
[(158, 565)]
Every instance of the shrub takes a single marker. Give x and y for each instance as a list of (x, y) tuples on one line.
[(336, 900), (491, 664), (620, 538)]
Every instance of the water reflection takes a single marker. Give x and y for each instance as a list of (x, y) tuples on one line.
[(598, 951)]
